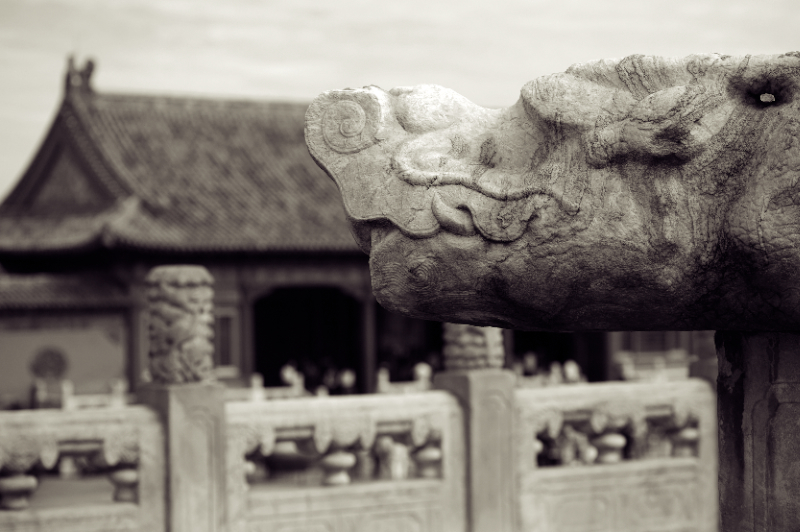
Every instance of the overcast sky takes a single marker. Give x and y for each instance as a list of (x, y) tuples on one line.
[(296, 49)]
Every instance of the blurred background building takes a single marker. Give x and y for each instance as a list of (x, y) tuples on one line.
[(122, 183), (186, 146)]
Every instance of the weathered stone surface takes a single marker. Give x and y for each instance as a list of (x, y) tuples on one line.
[(128, 439), (487, 397), (425, 428), (193, 417), (666, 480), (642, 193), (181, 302)]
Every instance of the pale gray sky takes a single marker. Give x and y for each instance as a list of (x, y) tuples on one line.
[(296, 49)]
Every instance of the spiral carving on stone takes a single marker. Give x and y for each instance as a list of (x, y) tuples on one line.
[(346, 127)]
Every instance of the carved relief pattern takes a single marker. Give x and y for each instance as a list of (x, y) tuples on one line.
[(320, 432), (346, 127), (598, 201), (327, 437), (20, 451), (181, 308), (124, 442), (415, 511), (594, 431), (666, 490), (32, 439), (471, 347), (380, 437)]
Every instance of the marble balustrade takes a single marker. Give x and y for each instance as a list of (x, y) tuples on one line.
[(346, 463), (124, 444), (617, 457), (613, 456)]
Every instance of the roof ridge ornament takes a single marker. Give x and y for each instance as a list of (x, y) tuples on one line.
[(78, 79)]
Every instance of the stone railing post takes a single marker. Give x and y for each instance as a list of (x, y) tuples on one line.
[(473, 358), (188, 400)]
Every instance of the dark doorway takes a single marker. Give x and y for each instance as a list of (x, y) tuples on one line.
[(587, 349), (315, 328), (403, 342)]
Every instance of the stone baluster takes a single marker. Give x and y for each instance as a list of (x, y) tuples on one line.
[(684, 442), (336, 466), (609, 447), (16, 491), (573, 447), (255, 471), (181, 304), (365, 464), (126, 484), (393, 458), (68, 467), (429, 461), (16, 488)]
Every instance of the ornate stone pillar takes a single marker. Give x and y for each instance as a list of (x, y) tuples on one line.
[(473, 358), (189, 401)]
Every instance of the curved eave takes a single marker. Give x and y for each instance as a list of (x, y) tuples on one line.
[(59, 292), (118, 241)]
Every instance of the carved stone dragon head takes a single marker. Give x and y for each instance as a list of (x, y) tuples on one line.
[(642, 193)]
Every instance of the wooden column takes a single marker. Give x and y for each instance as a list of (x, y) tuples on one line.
[(369, 349), (138, 343), (758, 394)]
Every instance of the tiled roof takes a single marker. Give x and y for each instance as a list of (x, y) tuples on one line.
[(18, 292), (194, 175)]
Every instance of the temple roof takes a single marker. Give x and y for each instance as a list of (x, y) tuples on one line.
[(172, 174)]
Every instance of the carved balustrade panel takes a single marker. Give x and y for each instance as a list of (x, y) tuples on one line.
[(347, 463), (124, 444), (617, 457)]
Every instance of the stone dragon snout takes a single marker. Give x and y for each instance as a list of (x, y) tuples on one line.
[(653, 168)]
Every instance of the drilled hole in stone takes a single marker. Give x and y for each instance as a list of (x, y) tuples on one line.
[(773, 91)]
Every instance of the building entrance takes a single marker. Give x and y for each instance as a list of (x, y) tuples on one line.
[(317, 329)]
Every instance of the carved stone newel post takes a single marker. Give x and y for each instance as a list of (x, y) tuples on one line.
[(473, 359), (642, 193), (185, 394)]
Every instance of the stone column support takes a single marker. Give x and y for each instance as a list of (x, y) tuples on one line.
[(758, 391), (190, 403), (473, 358), (487, 398), (193, 416)]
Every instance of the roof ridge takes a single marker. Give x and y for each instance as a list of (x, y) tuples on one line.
[(199, 174), (74, 112)]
